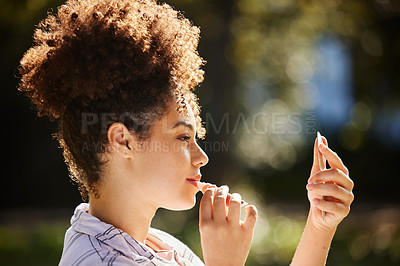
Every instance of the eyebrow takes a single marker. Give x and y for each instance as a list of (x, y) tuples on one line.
[(184, 123)]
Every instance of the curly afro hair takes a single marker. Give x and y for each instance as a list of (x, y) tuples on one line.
[(96, 57)]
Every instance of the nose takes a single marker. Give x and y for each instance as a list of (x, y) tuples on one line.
[(199, 157)]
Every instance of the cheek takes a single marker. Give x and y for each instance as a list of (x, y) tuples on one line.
[(182, 155), (164, 159), (175, 164)]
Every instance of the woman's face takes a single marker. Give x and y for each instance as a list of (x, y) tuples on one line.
[(164, 163)]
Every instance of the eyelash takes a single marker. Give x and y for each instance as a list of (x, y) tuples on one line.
[(185, 138)]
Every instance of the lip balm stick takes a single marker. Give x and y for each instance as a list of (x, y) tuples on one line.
[(321, 163), (203, 187)]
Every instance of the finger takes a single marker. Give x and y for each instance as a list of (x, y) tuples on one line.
[(206, 205), (336, 208), (203, 186), (333, 159), (332, 191), (316, 167), (219, 210), (234, 209), (332, 175), (324, 141), (251, 217)]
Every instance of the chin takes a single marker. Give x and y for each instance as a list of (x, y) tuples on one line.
[(182, 205)]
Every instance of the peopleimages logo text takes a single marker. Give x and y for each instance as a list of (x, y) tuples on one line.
[(258, 123)]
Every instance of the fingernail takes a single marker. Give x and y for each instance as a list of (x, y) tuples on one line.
[(220, 190), (236, 197), (224, 188), (310, 186), (212, 187), (316, 201)]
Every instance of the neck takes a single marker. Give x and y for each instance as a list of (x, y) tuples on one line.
[(129, 212)]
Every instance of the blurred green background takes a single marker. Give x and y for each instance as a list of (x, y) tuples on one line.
[(276, 72)]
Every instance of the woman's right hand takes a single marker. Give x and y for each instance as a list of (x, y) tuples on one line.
[(225, 239)]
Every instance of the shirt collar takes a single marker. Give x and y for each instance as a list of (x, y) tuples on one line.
[(85, 223)]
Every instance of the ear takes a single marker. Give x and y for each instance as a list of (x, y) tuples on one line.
[(120, 139)]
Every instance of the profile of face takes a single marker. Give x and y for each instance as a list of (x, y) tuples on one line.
[(163, 164)]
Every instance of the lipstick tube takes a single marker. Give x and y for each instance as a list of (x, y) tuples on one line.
[(320, 162)]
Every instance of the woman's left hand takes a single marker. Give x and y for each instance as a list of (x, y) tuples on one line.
[(329, 190)]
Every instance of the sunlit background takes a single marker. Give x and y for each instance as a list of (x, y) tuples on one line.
[(277, 72)]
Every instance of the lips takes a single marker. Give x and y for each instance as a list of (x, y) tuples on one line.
[(199, 185), (194, 180)]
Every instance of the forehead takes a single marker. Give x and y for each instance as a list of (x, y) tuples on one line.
[(175, 116)]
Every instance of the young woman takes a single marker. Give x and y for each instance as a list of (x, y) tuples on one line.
[(119, 77)]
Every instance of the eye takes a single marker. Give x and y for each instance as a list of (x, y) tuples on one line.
[(185, 138)]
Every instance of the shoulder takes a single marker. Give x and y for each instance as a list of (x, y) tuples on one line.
[(84, 250), (79, 249)]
